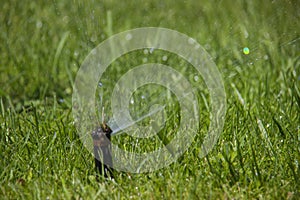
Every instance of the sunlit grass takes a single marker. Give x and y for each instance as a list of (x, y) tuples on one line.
[(257, 155)]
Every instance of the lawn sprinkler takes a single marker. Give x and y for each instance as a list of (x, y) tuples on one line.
[(102, 149)]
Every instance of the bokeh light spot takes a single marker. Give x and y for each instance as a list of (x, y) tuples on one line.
[(246, 50)]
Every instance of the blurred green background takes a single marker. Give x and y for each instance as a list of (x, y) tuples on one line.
[(43, 43)]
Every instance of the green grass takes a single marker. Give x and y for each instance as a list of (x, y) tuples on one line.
[(43, 44)]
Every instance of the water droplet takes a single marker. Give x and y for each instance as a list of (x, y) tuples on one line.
[(131, 101), (145, 60), (61, 100), (165, 58), (128, 36), (246, 34), (39, 24), (151, 50), (196, 78), (76, 53), (94, 38), (143, 97), (100, 84), (68, 90), (266, 35), (146, 51), (66, 19)]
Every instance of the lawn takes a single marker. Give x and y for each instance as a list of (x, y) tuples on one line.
[(254, 44)]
